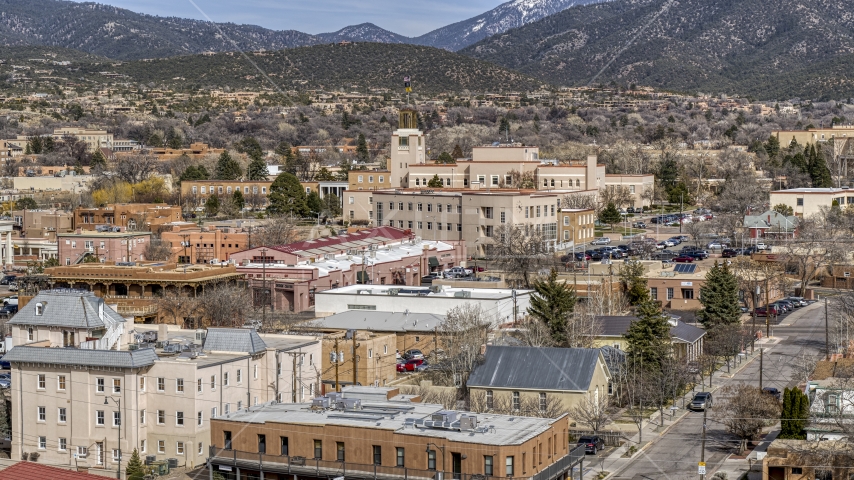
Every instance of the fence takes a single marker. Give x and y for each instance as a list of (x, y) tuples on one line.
[(229, 459), (611, 438)]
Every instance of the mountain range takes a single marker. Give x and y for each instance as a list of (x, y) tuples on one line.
[(125, 35), (770, 49)]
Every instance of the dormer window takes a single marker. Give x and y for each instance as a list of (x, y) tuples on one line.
[(40, 309)]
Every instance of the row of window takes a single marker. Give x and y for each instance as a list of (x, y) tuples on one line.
[(439, 225), (220, 190), (100, 416), (377, 454), (360, 179), (687, 293), (582, 220), (116, 383)]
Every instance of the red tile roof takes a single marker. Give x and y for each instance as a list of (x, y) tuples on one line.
[(30, 470)]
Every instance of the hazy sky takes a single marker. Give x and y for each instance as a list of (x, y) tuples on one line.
[(317, 16)]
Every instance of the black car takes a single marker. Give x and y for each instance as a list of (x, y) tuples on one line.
[(592, 443), (729, 253), (7, 279), (698, 254), (773, 391), (8, 310)]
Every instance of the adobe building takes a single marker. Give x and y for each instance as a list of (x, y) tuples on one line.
[(126, 216)]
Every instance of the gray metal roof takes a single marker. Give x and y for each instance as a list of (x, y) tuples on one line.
[(617, 326), (536, 368), (67, 308), (380, 321), (75, 356), (243, 340)]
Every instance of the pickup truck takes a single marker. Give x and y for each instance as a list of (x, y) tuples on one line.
[(456, 272)]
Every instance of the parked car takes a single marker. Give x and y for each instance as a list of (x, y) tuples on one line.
[(684, 259), (661, 245), (8, 310), (413, 354), (701, 401), (639, 225), (761, 246), (798, 301), (601, 241), (716, 245), (13, 286), (729, 253), (698, 254), (4, 364), (772, 391), (13, 300), (764, 311), (785, 305), (581, 256), (665, 263), (675, 240), (592, 443), (409, 365), (457, 272), (683, 238), (5, 382), (7, 279)]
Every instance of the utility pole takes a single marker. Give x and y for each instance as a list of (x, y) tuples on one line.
[(703, 448), (761, 355), (753, 331), (355, 346), (826, 332), (681, 209), (767, 310), (335, 356), (264, 291)]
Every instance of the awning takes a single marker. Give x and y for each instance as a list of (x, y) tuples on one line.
[(362, 277), (433, 261)]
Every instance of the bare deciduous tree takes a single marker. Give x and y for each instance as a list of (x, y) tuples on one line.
[(278, 230), (135, 168), (520, 251), (464, 333), (745, 410), (595, 411), (158, 250), (226, 305)]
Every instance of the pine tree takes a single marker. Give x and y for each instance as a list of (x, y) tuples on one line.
[(435, 182), (719, 296), (98, 160), (818, 171), (552, 304), (610, 215), (257, 170), (135, 469), (795, 414), (772, 147), (238, 199), (362, 149), (312, 200), (212, 206), (648, 337), (445, 157), (195, 172), (332, 205), (633, 282), (457, 153), (287, 196), (227, 168)]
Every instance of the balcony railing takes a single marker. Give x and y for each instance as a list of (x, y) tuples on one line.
[(327, 469)]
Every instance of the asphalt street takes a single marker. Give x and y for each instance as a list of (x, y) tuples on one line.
[(675, 454)]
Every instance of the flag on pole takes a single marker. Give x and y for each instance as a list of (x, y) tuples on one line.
[(407, 84)]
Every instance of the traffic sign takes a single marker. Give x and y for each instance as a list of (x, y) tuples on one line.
[(701, 469)]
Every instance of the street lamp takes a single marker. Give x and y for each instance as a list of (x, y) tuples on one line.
[(442, 448), (118, 403)]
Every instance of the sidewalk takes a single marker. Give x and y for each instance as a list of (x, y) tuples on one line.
[(652, 429)]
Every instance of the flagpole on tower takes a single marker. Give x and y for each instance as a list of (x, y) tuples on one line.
[(408, 85)]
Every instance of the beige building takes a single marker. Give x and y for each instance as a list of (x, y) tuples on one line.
[(364, 358), (79, 406), (806, 202), (528, 376), (93, 139), (368, 179), (636, 186), (576, 225), (813, 135)]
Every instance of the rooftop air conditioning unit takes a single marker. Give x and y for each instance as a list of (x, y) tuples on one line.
[(462, 294), (468, 422), (436, 288), (320, 402)]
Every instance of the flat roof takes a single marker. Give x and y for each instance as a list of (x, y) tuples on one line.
[(403, 418), (815, 190), (92, 233), (476, 293), (378, 321)]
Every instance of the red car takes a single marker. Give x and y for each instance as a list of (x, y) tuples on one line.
[(763, 311), (409, 365), (684, 259)]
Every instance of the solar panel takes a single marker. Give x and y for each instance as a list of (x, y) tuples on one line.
[(685, 268)]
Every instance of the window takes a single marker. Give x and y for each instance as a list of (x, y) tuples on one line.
[(669, 293), (262, 443), (161, 446), (199, 419), (225, 379), (213, 412), (370, 353), (409, 206), (42, 443), (487, 465), (800, 202), (201, 448), (161, 417), (490, 400), (339, 451), (142, 446), (401, 457), (179, 419), (61, 415), (419, 207), (179, 385), (495, 180), (239, 376), (142, 417), (117, 419), (41, 382), (538, 210), (161, 384), (431, 459), (420, 225), (179, 448), (239, 404), (610, 388), (141, 384), (508, 466), (459, 227), (213, 382), (378, 455), (382, 179), (117, 385), (42, 414), (797, 471), (63, 445), (429, 225), (542, 402), (226, 437), (283, 441), (653, 292), (360, 179), (30, 330), (688, 293), (99, 417), (370, 179), (318, 449), (199, 385), (516, 401)]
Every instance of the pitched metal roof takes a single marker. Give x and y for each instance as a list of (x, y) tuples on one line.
[(617, 326), (371, 236), (536, 368), (380, 321), (67, 308), (30, 470), (75, 356), (242, 340)]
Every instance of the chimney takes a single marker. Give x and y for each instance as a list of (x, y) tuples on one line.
[(78, 231), (162, 332)]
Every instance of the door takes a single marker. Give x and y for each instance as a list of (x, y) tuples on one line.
[(776, 473), (457, 465)]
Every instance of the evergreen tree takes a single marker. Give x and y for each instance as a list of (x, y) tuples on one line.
[(257, 169), (287, 196), (250, 147), (362, 149), (324, 175), (332, 205), (817, 169), (552, 304), (719, 296), (135, 470), (212, 206), (435, 182), (668, 172), (633, 282), (783, 209), (610, 215), (648, 337), (458, 152), (195, 172), (445, 157), (98, 161), (238, 199), (312, 200), (795, 414), (204, 119), (772, 147), (227, 168)]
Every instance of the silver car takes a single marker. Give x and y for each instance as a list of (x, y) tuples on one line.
[(701, 401)]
